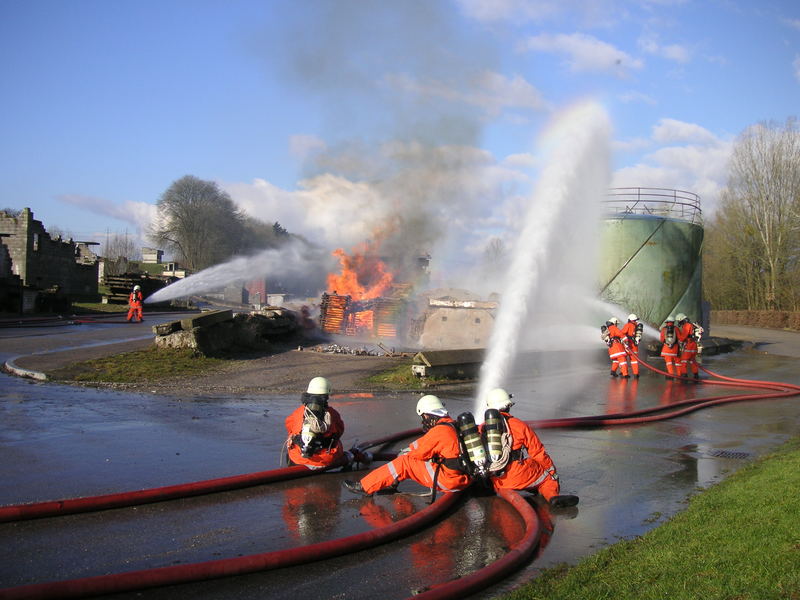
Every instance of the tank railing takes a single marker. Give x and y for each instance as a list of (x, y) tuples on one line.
[(660, 202)]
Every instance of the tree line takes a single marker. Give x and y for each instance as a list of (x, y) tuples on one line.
[(751, 254), (199, 225)]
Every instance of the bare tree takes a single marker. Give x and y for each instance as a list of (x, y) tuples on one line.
[(120, 245), (758, 215), (198, 223)]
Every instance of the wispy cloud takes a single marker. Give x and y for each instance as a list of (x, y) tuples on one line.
[(302, 145), (139, 214), (633, 96), (490, 11), (584, 53), (675, 52), (490, 91), (672, 130)]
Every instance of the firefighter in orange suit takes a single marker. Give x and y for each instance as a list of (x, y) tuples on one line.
[(670, 350), (135, 304), (315, 429), (688, 333), (632, 333), (434, 456), (612, 336), (525, 463)]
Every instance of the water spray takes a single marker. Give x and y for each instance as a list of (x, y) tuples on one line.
[(570, 189)]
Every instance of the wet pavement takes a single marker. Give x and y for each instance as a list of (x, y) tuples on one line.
[(61, 441)]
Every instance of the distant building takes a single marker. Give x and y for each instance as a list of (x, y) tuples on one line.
[(62, 268), (152, 256)]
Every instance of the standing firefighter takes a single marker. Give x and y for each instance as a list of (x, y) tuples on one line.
[(610, 333), (135, 304), (434, 460), (315, 429), (688, 335), (632, 335), (670, 349), (518, 459)]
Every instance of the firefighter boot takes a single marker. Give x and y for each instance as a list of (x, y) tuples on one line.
[(564, 501), (355, 487)]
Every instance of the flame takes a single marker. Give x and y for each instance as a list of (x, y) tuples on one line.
[(363, 276)]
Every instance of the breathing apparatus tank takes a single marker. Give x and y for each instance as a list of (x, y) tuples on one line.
[(468, 432), (314, 424), (639, 332), (493, 430), (604, 335)]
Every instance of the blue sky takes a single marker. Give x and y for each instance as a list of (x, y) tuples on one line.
[(305, 111)]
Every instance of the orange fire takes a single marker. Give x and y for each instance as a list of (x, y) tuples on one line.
[(363, 276)]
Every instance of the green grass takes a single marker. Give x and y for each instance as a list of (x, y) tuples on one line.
[(142, 366), (84, 308), (401, 378), (738, 540)]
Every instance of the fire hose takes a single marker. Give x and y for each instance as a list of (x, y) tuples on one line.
[(176, 574)]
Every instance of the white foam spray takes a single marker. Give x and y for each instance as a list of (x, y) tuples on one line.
[(564, 210), (275, 263)]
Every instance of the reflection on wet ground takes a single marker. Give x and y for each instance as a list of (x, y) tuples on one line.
[(61, 442)]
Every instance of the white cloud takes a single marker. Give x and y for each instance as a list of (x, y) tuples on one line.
[(302, 145), (701, 168), (631, 145), (491, 91), (521, 161), (671, 130), (674, 52), (584, 52), (794, 23)]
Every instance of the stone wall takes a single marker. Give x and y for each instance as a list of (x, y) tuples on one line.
[(44, 263)]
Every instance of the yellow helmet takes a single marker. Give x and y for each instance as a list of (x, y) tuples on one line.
[(319, 386)]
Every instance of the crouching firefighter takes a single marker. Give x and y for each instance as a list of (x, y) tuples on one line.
[(435, 460), (315, 430), (517, 457)]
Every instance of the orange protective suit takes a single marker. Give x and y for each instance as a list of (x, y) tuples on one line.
[(616, 351), (440, 442), (534, 468), (629, 339), (331, 452), (135, 305), (670, 352), (688, 357)]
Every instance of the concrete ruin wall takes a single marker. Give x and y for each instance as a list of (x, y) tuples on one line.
[(42, 262)]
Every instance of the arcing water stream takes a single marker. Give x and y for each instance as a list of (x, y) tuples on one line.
[(556, 245)]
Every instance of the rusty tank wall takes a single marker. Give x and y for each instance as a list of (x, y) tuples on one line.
[(652, 265)]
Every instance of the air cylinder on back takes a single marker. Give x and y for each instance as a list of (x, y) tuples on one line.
[(493, 431), (468, 431)]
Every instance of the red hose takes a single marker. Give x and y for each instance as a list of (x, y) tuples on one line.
[(176, 574), (515, 558), (52, 508)]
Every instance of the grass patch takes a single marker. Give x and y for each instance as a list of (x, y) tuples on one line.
[(738, 540), (400, 377), (87, 308), (141, 366)]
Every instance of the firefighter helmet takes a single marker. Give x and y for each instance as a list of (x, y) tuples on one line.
[(319, 386), (670, 319), (499, 399), (136, 288), (431, 405), (613, 320), (681, 317), (632, 317)]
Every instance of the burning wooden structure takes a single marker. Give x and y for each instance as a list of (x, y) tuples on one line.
[(381, 317)]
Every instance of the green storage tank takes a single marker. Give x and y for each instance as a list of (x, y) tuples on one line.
[(651, 249)]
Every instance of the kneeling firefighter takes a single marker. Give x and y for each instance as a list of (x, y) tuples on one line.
[(518, 459), (436, 460), (315, 429)]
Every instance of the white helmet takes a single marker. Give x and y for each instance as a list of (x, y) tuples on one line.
[(632, 317), (498, 399), (431, 405), (137, 287), (670, 319), (318, 386), (681, 317), (613, 320)]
